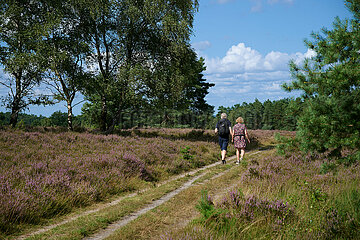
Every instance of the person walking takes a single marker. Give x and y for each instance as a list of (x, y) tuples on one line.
[(238, 138), (223, 128)]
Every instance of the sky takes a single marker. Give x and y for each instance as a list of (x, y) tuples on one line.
[(247, 46)]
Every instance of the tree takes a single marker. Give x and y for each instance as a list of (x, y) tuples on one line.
[(196, 87), (330, 82), (58, 119), (23, 23), (268, 120), (178, 86), (258, 109), (99, 26), (133, 41), (66, 53)]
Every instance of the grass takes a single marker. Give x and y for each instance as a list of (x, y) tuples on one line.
[(86, 225), (175, 214), (102, 156), (321, 206)]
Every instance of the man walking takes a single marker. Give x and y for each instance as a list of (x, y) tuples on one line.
[(223, 128)]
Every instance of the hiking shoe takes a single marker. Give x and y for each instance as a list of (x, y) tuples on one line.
[(223, 162), (237, 162)]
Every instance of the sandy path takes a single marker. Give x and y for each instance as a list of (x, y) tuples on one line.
[(102, 234), (114, 226), (47, 228)]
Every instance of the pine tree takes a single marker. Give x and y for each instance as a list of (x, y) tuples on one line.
[(330, 82)]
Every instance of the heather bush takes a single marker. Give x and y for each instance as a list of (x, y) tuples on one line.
[(343, 219), (291, 196), (44, 174), (235, 212)]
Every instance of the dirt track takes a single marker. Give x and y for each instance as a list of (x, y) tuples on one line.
[(102, 234)]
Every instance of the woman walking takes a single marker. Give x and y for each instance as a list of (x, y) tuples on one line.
[(238, 138)]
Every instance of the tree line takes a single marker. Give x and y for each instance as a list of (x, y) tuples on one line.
[(269, 115), (119, 54)]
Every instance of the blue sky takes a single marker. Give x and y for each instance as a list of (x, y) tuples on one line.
[(247, 45)]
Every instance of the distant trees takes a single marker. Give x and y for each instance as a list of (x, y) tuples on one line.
[(330, 83), (269, 115)]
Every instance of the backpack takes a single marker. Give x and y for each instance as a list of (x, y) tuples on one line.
[(223, 128)]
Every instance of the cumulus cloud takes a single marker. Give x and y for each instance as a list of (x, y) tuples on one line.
[(244, 74), (241, 59)]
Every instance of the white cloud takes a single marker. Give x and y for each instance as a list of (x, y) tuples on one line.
[(257, 7), (259, 4), (244, 74), (238, 58), (223, 1), (242, 59), (280, 1), (201, 46)]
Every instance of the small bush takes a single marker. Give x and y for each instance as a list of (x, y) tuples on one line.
[(327, 167), (286, 146)]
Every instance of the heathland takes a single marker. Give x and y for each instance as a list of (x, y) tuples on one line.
[(48, 175)]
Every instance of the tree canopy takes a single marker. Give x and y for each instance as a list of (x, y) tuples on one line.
[(120, 55)]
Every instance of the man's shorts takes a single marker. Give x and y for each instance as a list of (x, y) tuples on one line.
[(223, 142)]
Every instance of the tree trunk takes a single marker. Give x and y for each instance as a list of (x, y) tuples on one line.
[(103, 115), (15, 108), (14, 116), (70, 116)]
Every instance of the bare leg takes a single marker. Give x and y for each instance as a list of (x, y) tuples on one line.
[(237, 154), (242, 153), (223, 154)]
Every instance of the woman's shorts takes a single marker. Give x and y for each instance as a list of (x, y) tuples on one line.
[(223, 142)]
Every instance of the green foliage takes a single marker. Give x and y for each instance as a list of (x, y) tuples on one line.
[(161, 76), (342, 221), (331, 88), (281, 114), (350, 159), (27, 119), (137, 55), (205, 206), (58, 119), (23, 24), (327, 167), (286, 146), (185, 153)]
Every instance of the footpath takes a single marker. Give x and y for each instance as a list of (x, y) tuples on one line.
[(186, 181)]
